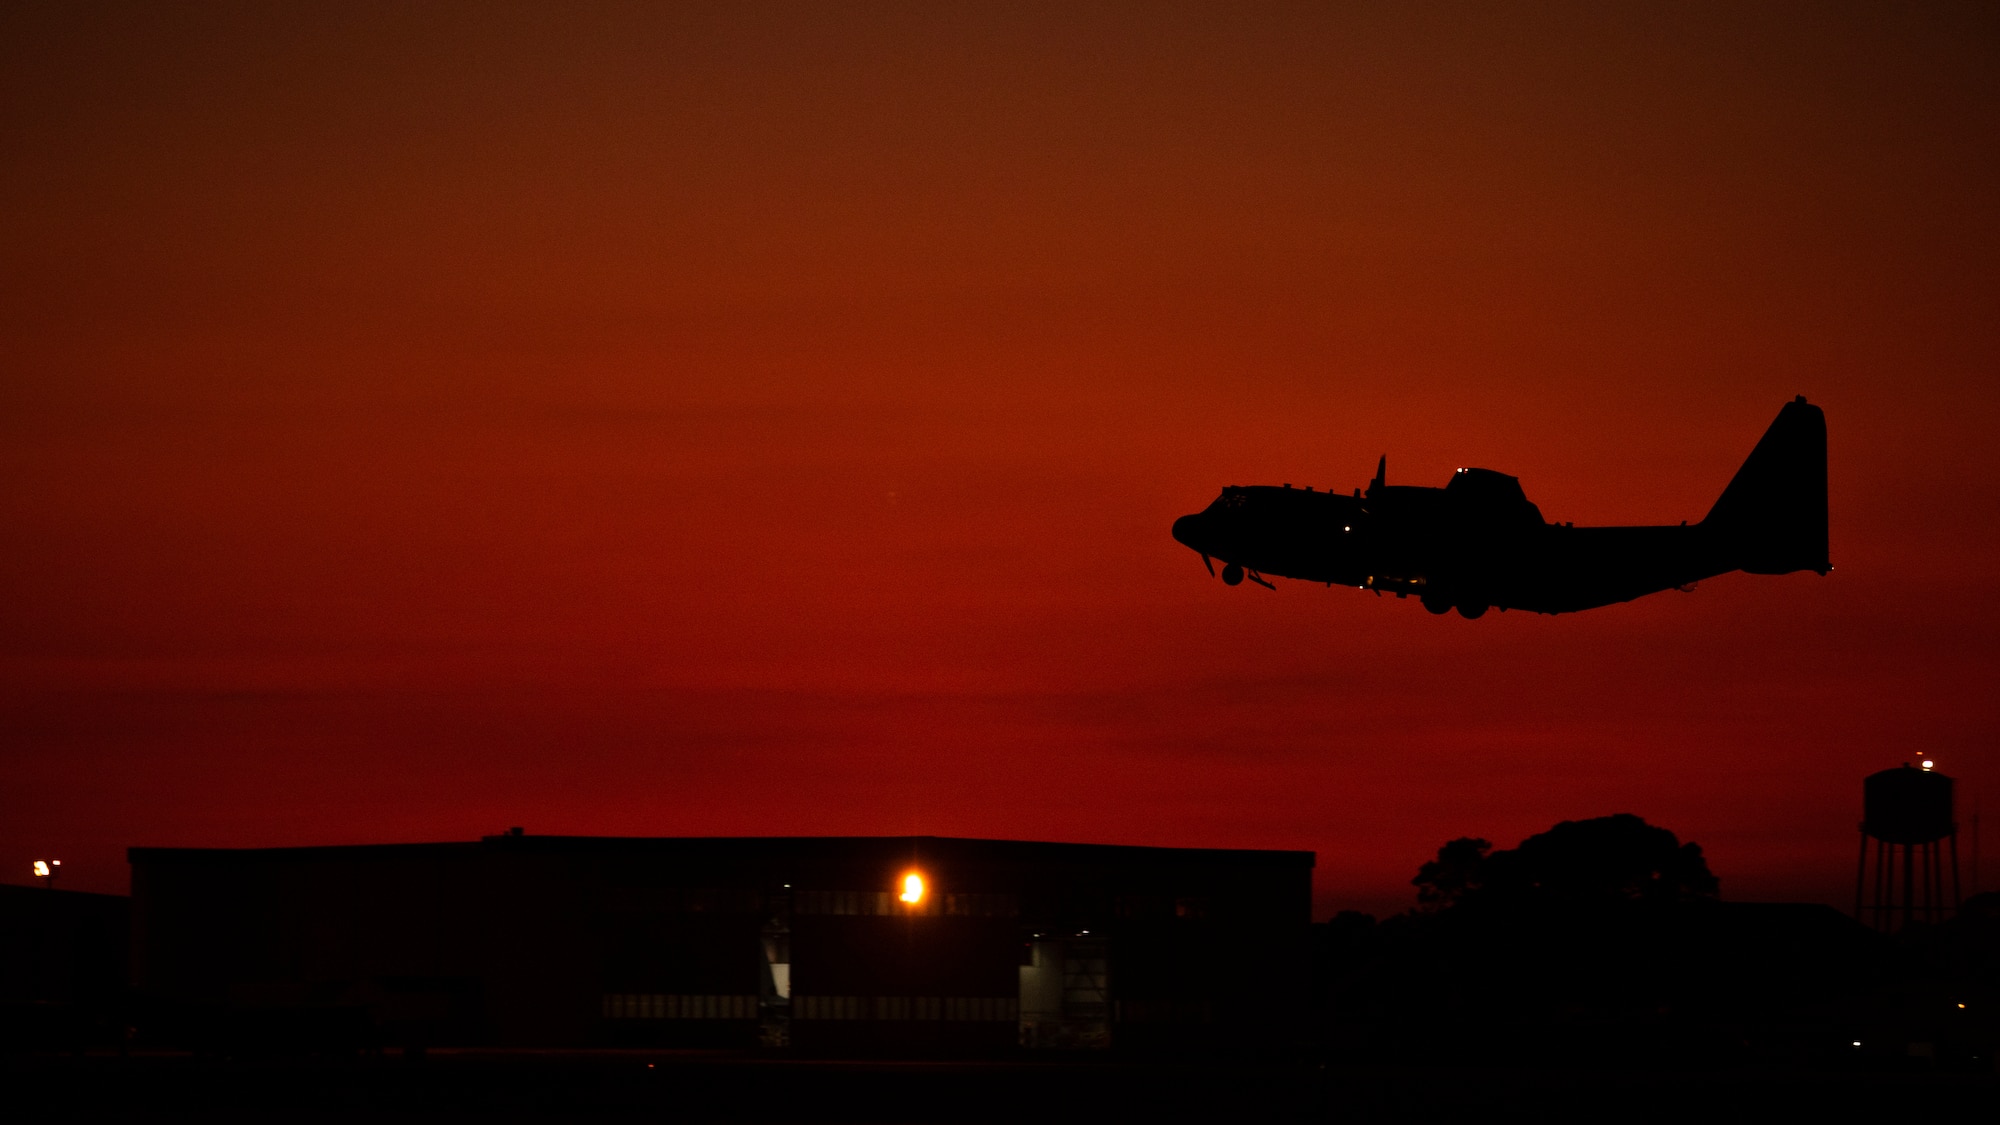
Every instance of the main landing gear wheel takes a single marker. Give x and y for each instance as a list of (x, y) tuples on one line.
[(1470, 610), (1436, 604), (1232, 575)]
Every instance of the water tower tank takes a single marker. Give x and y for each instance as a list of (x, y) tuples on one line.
[(1907, 806)]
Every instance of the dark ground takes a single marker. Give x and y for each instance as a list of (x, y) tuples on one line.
[(499, 1087)]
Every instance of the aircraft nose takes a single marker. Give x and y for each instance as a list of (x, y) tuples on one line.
[(1186, 529)]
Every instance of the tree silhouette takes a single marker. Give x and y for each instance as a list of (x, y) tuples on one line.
[(1579, 863), (1608, 859), (1444, 880), (1600, 940)]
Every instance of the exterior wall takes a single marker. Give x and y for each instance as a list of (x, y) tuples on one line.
[(439, 944), (560, 941), (63, 965), (61, 947)]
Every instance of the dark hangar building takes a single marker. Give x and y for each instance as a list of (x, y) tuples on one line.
[(822, 945)]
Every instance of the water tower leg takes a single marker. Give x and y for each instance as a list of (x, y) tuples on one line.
[(1937, 873), (1955, 901), (1860, 876), (1923, 911), (1937, 878), (1933, 876), (1885, 886), (1909, 885)]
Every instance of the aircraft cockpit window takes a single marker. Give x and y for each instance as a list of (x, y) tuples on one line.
[(1234, 497)]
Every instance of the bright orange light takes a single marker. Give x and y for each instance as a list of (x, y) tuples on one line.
[(41, 869), (913, 888)]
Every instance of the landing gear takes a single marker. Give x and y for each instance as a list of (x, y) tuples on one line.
[(1470, 610), (1436, 604), (1232, 575)]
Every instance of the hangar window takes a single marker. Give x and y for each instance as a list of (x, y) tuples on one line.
[(971, 904)]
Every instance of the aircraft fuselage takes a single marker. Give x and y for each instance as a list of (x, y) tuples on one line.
[(1478, 542)]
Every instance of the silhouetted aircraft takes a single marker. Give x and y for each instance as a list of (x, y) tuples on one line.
[(1478, 542)]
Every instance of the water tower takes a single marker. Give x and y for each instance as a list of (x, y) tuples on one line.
[(1906, 815)]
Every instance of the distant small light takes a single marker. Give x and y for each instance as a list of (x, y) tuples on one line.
[(1857, 1042), (913, 888), (1961, 1006), (1346, 527), (1928, 763), (1461, 470), (41, 869)]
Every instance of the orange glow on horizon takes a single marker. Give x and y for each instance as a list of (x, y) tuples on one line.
[(913, 889)]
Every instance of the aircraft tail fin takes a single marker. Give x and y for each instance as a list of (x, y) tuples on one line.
[(1772, 517)]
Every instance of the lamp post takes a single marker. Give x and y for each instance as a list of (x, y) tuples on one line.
[(915, 890)]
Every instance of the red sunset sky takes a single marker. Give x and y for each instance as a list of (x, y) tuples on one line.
[(668, 419)]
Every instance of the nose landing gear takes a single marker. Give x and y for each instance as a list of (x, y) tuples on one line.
[(1233, 574)]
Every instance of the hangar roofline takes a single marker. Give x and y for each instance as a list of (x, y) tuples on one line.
[(939, 846)]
